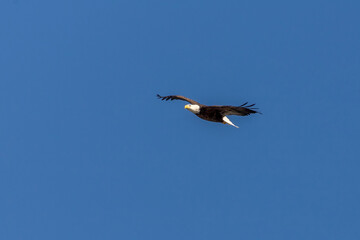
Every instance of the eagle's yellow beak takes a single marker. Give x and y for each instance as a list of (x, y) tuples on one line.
[(187, 106)]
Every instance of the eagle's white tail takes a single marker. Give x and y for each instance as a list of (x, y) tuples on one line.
[(226, 120)]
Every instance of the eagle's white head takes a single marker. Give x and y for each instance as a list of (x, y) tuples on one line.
[(193, 108)]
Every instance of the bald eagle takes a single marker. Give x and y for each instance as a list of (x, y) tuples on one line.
[(213, 113)]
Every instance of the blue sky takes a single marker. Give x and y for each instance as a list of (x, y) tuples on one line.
[(88, 152)]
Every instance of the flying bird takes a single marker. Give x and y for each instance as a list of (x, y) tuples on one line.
[(213, 113)]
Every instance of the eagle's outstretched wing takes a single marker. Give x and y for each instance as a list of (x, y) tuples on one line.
[(177, 97), (242, 110)]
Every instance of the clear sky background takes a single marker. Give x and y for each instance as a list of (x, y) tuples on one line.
[(88, 152)]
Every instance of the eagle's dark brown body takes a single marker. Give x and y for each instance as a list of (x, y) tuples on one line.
[(210, 113)]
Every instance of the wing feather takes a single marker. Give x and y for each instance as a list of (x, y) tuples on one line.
[(242, 110), (177, 97)]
